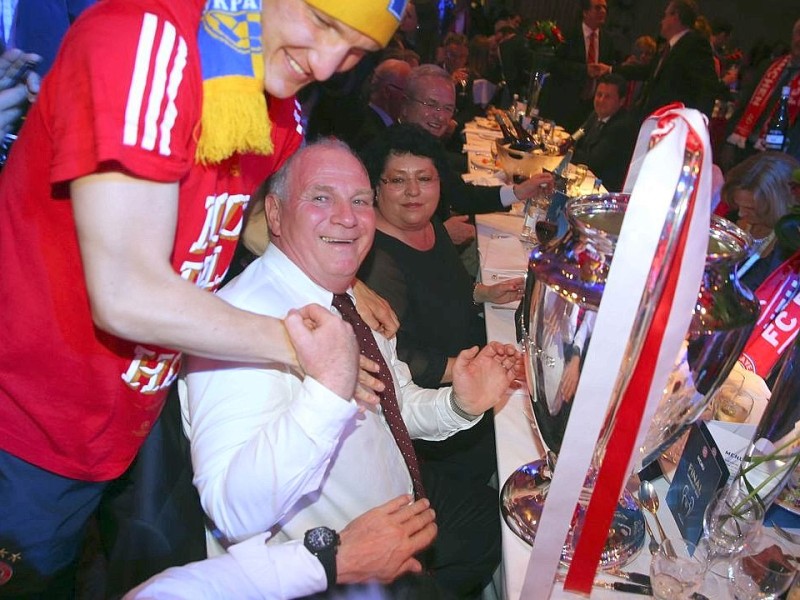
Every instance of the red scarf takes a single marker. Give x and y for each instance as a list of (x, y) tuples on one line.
[(779, 321), (762, 94)]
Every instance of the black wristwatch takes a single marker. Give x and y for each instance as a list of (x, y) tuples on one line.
[(323, 542)]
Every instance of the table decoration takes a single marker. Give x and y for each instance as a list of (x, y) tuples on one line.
[(638, 329)]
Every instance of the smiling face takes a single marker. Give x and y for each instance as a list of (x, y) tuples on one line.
[(327, 223), (302, 44), (408, 191), (431, 104)]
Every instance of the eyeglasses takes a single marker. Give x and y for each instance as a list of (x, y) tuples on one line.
[(447, 108), (401, 183)]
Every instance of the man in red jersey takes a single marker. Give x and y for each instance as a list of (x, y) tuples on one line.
[(120, 207)]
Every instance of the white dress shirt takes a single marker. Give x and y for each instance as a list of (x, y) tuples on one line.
[(249, 570), (273, 450)]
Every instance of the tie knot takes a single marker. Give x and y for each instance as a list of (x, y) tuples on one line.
[(343, 303)]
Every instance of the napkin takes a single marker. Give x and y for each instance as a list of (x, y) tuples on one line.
[(483, 178), (505, 255)]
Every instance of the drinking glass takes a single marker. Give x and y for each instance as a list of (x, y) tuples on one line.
[(732, 518), (677, 572), (735, 409), (765, 569)]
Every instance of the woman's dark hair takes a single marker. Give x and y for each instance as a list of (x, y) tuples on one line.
[(403, 138)]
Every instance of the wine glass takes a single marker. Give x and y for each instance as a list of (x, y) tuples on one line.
[(765, 569), (677, 571), (732, 518)]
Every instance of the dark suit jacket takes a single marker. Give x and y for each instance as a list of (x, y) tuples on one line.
[(607, 151), (687, 75), (515, 59), (371, 126), (458, 196), (561, 96)]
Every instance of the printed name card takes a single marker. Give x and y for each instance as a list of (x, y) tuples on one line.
[(701, 471)]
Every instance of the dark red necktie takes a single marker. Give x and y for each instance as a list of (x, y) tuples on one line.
[(591, 57), (391, 410)]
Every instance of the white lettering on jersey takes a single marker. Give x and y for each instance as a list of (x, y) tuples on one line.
[(223, 221), (150, 371)]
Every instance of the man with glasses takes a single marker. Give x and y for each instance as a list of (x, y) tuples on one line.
[(430, 102)]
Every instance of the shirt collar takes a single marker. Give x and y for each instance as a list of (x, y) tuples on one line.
[(387, 120), (674, 39)]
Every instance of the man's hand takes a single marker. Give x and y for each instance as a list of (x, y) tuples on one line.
[(500, 293), (380, 544), (16, 91), (326, 348), (459, 229), (595, 70), (529, 187), (481, 378), (376, 311)]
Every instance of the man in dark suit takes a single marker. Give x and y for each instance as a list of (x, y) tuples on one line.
[(386, 95), (567, 95), (607, 145), (684, 69)]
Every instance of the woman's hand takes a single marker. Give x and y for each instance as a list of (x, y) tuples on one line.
[(376, 312), (500, 293)]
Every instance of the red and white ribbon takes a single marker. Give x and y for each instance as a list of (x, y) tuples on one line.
[(636, 337)]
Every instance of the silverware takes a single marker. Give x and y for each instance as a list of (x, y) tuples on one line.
[(652, 545), (648, 498)]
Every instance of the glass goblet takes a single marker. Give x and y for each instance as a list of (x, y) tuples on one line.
[(677, 571), (732, 518), (765, 569)]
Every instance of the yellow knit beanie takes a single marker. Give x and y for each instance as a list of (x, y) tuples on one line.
[(377, 19)]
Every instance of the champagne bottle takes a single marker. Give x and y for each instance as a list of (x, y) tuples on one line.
[(775, 138), (508, 137), (524, 140)]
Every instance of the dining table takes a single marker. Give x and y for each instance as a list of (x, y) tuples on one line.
[(503, 255)]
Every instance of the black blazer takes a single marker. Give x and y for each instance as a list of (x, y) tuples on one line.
[(607, 152), (371, 127), (561, 97), (687, 75)]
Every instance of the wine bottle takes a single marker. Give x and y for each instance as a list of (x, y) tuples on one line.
[(508, 137), (524, 140), (561, 169), (775, 138)]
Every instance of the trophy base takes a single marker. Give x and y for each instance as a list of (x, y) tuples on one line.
[(522, 503)]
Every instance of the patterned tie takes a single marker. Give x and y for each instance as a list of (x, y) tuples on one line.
[(391, 410), (591, 57)]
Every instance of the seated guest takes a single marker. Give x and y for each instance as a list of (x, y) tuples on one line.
[(430, 103), (386, 90), (610, 134), (416, 267), (273, 450), (759, 190)]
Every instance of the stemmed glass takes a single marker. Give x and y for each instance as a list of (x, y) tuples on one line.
[(732, 518), (765, 569)]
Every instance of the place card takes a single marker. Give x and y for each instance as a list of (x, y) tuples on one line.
[(701, 471)]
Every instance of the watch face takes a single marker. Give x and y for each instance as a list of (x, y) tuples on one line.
[(320, 537)]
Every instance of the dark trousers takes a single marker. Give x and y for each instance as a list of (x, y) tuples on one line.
[(144, 522), (150, 519), (42, 523)]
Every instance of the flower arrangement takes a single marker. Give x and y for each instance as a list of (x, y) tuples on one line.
[(544, 34)]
